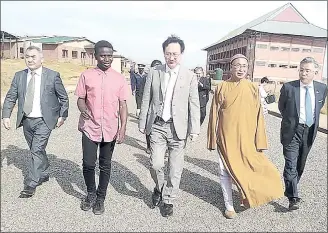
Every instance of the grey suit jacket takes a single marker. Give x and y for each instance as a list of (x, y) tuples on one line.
[(54, 98), (185, 101)]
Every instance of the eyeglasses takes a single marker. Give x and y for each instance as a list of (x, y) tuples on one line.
[(175, 55), (307, 71), (238, 66)]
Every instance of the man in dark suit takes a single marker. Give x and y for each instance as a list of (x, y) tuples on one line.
[(204, 87), (42, 106), (300, 103), (137, 83)]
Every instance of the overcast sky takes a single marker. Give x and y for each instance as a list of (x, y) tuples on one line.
[(137, 29)]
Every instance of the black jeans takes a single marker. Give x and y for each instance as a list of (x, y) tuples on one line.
[(89, 163), (295, 154), (148, 140)]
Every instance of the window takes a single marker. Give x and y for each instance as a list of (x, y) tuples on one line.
[(293, 66), (74, 54), (64, 53), (272, 65), (274, 48), (283, 66), (84, 55), (318, 50), (21, 50), (260, 63), (306, 50), (262, 46), (285, 49), (295, 49)]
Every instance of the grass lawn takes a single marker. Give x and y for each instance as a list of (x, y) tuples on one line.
[(69, 72)]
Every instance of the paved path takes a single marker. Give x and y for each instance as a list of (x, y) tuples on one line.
[(55, 206)]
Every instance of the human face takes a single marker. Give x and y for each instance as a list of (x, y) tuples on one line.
[(239, 68), (33, 59), (172, 55), (104, 57), (307, 72), (199, 73)]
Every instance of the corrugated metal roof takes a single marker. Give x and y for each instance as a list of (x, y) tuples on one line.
[(291, 28), (57, 39), (264, 24)]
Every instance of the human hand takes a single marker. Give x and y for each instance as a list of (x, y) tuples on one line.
[(6, 123)]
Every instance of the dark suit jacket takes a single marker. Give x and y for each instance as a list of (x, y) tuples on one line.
[(289, 107), (203, 91), (54, 99)]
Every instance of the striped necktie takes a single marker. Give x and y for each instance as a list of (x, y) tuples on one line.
[(28, 105)]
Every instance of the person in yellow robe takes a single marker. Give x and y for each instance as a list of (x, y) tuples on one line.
[(236, 127)]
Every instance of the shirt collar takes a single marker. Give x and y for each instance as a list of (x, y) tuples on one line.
[(101, 71), (309, 85), (38, 71), (175, 70)]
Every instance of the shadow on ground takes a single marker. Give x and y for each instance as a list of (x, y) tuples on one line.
[(67, 173), (199, 186)]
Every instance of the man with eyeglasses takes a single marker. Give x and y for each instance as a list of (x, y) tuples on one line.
[(236, 127), (169, 113), (300, 103)]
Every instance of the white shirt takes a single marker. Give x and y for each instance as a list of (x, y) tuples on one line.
[(302, 101), (36, 109), (169, 88), (263, 94)]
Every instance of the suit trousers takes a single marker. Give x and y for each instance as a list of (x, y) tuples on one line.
[(90, 149), (295, 154), (163, 137), (202, 114), (36, 134), (138, 96)]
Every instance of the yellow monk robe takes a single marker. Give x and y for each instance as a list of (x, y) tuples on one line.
[(236, 126)]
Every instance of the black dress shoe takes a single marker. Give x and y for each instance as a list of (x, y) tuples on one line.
[(88, 202), (98, 207), (294, 203), (167, 210), (156, 198), (27, 192)]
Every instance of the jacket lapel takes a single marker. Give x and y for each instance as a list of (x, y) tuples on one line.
[(162, 82), (179, 82), (24, 83), (297, 97), (316, 95), (43, 81)]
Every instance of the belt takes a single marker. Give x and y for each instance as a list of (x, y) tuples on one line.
[(305, 125), (160, 119)]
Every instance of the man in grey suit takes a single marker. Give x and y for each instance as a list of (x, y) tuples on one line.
[(170, 112), (42, 106)]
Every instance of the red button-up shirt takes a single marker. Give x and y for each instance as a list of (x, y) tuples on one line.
[(102, 92)]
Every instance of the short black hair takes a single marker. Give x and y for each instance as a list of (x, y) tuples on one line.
[(155, 63), (103, 44), (264, 80), (198, 68), (173, 39)]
